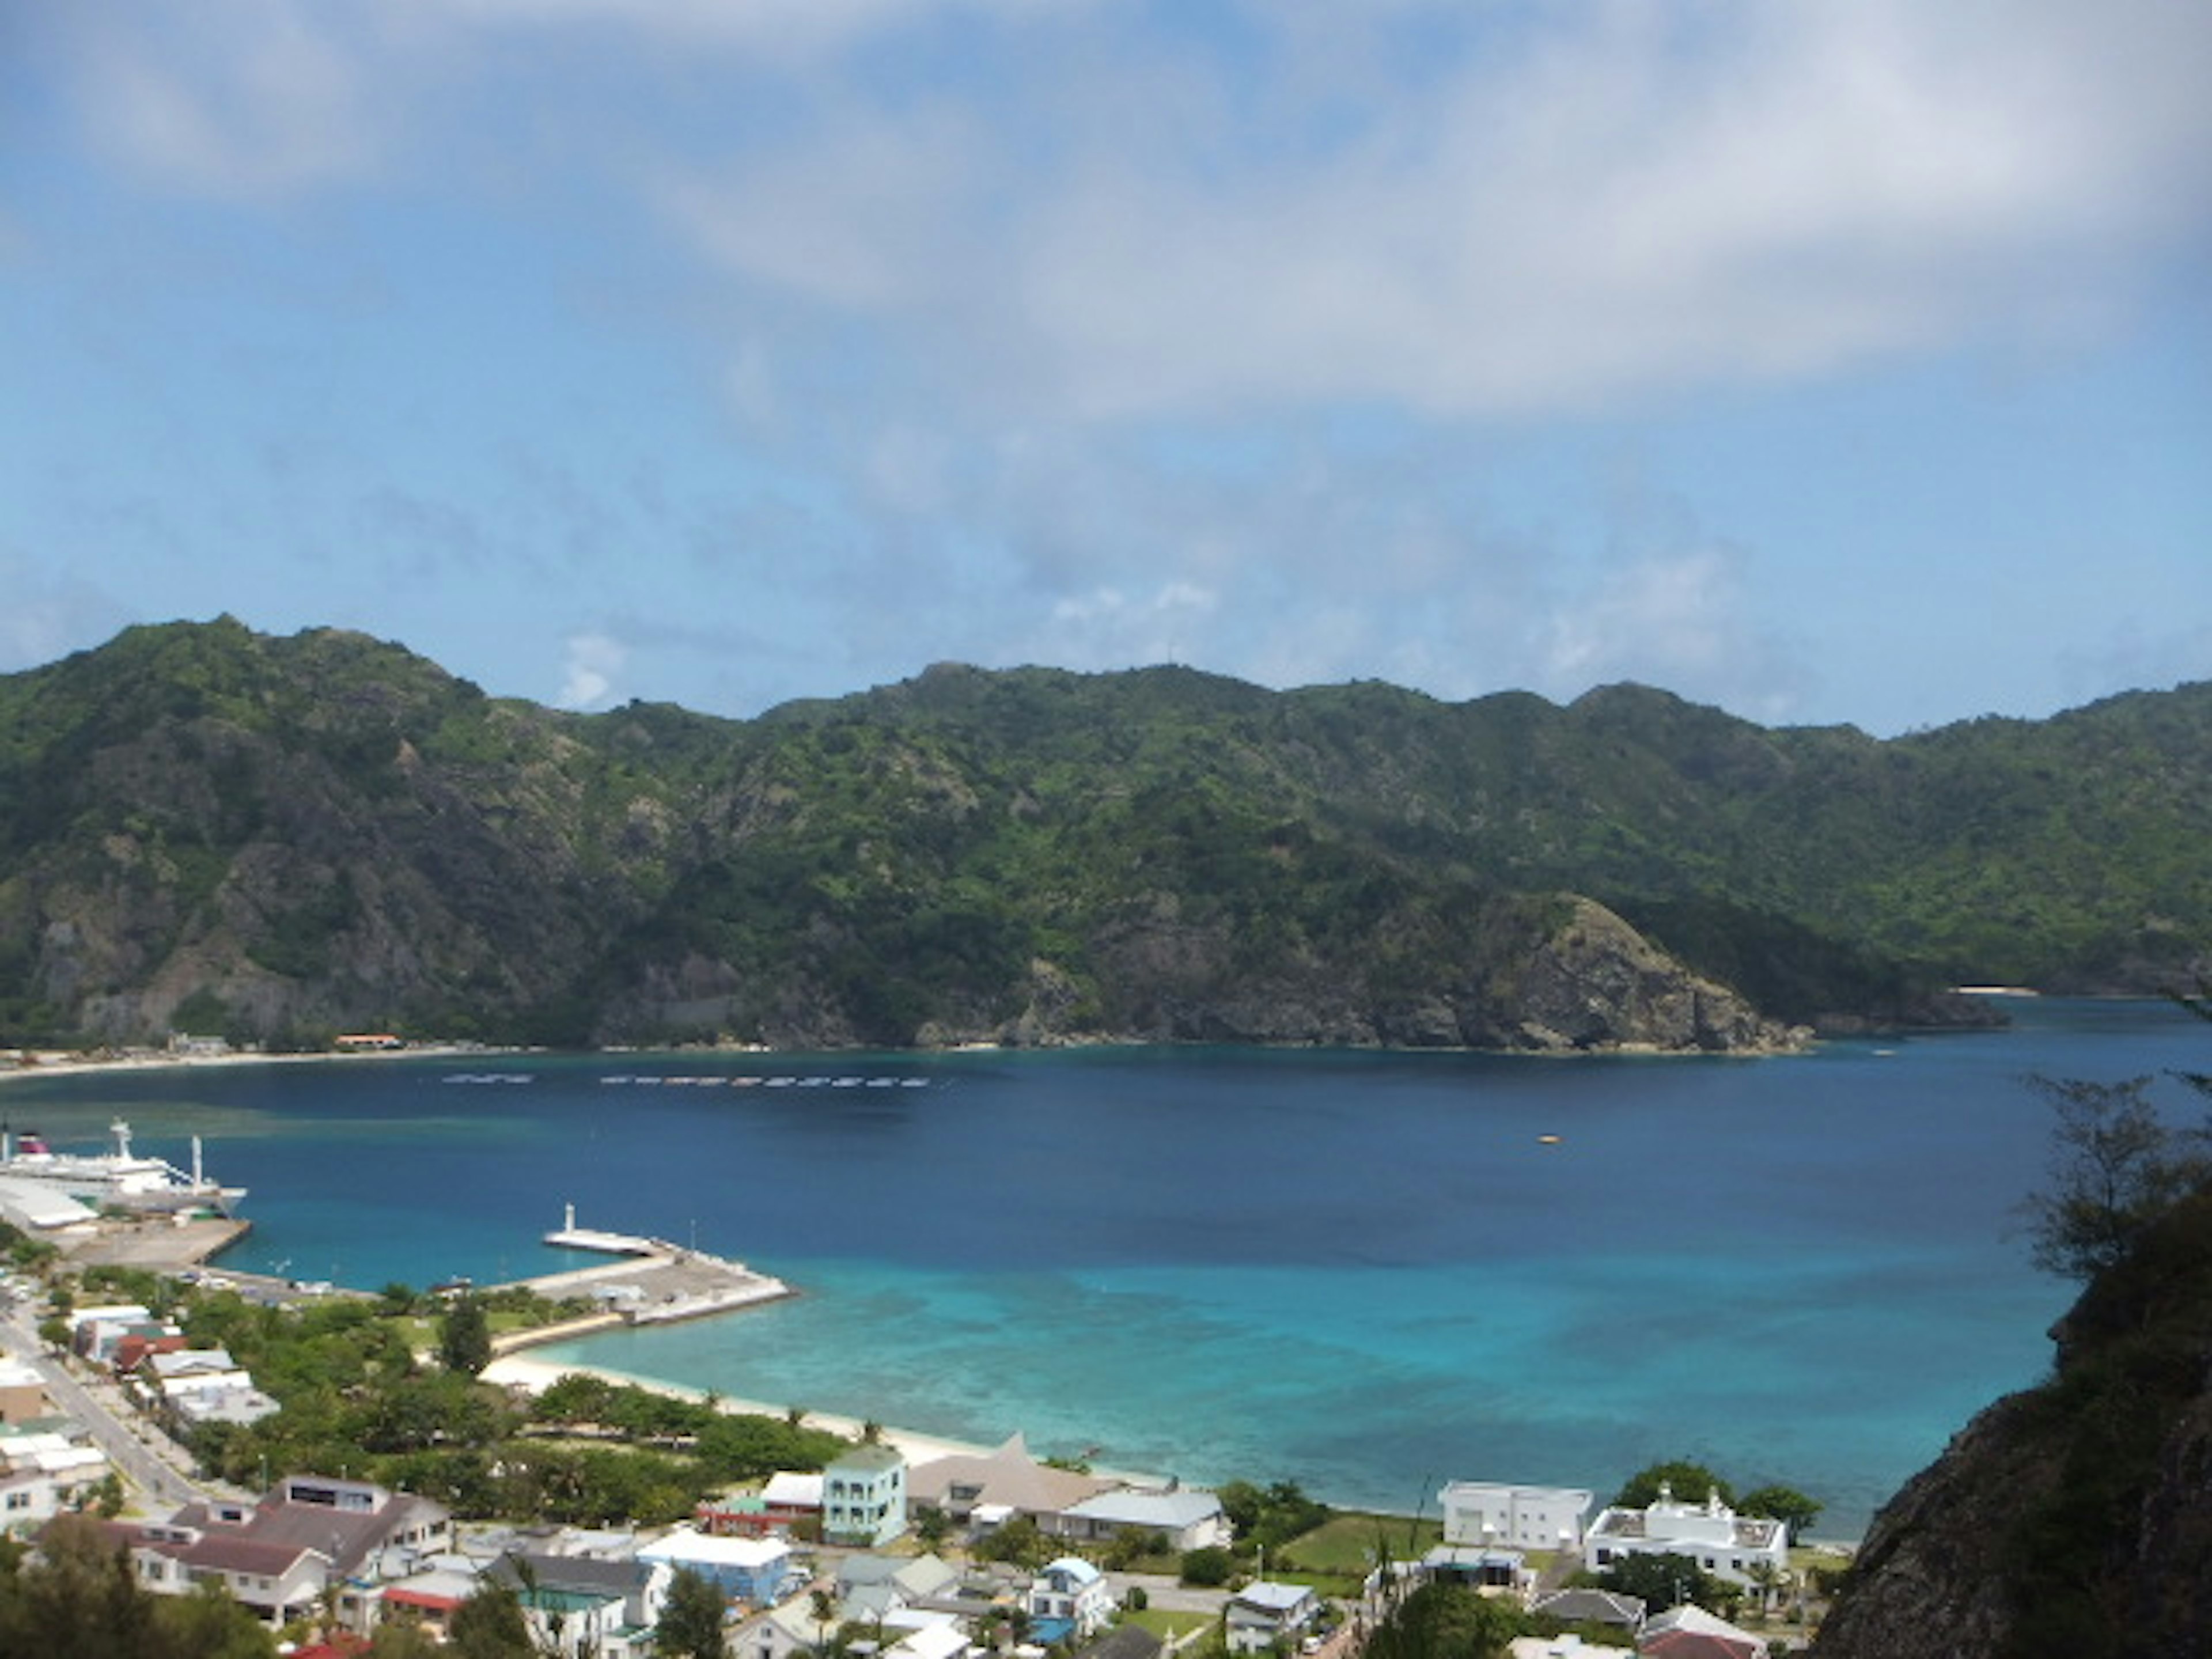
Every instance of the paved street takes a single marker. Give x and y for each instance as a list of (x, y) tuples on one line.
[(151, 1464)]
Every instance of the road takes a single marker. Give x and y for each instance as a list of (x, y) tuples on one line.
[(151, 1463)]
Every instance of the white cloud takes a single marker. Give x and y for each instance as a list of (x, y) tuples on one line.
[(594, 660), (1618, 200), (235, 97)]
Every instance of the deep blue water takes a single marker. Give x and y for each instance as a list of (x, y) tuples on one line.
[(1363, 1271)]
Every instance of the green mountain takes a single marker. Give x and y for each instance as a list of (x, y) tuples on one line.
[(205, 828)]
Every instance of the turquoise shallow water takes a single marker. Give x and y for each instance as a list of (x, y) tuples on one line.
[(1363, 1271)]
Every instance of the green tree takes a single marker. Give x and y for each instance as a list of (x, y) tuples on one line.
[(1784, 1504), (1665, 1581), (691, 1619), (1206, 1567), (208, 1624), (1017, 1541), (2116, 1167), (1444, 1621), (78, 1601), (465, 1337), (1688, 1483), (489, 1625), (404, 1638)]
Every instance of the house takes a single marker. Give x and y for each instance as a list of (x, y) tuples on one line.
[(1484, 1513), (756, 1570), (794, 1498), (1188, 1520), (93, 1332), (1069, 1597), (1725, 1544), (1566, 1645), (986, 1489), (1263, 1614), (22, 1392), (1477, 1568), (870, 1587), (276, 1555), (864, 1496), (43, 1473), (586, 1607), (790, 1504), (430, 1598), (138, 1341), (1591, 1607), (165, 1379), (196, 1408), (939, 1638), (1691, 1633), (276, 1583), (782, 1632)]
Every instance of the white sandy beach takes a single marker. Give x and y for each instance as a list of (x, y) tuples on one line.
[(520, 1371)]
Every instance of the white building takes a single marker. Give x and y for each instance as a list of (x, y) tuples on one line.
[(1483, 1514), (45, 1473), (1725, 1544)]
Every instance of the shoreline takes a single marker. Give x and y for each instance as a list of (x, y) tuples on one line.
[(535, 1376)]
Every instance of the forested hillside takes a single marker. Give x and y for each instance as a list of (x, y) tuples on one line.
[(205, 828)]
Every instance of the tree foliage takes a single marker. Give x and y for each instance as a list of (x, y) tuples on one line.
[(900, 860), (465, 1337), (1666, 1580), (1784, 1504), (2115, 1166), (1444, 1621), (78, 1599), (691, 1619), (1688, 1482)]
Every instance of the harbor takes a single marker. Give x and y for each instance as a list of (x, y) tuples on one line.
[(653, 1283)]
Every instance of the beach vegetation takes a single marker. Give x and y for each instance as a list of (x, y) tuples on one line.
[(1268, 1518), (359, 1395)]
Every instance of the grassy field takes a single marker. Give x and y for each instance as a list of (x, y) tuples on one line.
[(1344, 1543)]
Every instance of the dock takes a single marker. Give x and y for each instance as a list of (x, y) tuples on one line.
[(655, 1283)]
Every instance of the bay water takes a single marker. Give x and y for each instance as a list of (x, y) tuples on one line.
[(1369, 1272)]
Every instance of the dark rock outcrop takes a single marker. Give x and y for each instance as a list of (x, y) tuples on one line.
[(2072, 1521)]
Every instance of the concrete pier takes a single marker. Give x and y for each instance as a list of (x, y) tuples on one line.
[(656, 1283)]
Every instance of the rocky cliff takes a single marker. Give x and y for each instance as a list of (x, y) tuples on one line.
[(2073, 1521)]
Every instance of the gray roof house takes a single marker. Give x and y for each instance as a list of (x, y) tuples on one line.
[(1188, 1520)]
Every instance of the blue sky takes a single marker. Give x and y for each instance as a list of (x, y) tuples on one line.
[(1832, 360)]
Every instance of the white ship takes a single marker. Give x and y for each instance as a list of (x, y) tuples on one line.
[(121, 1180)]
